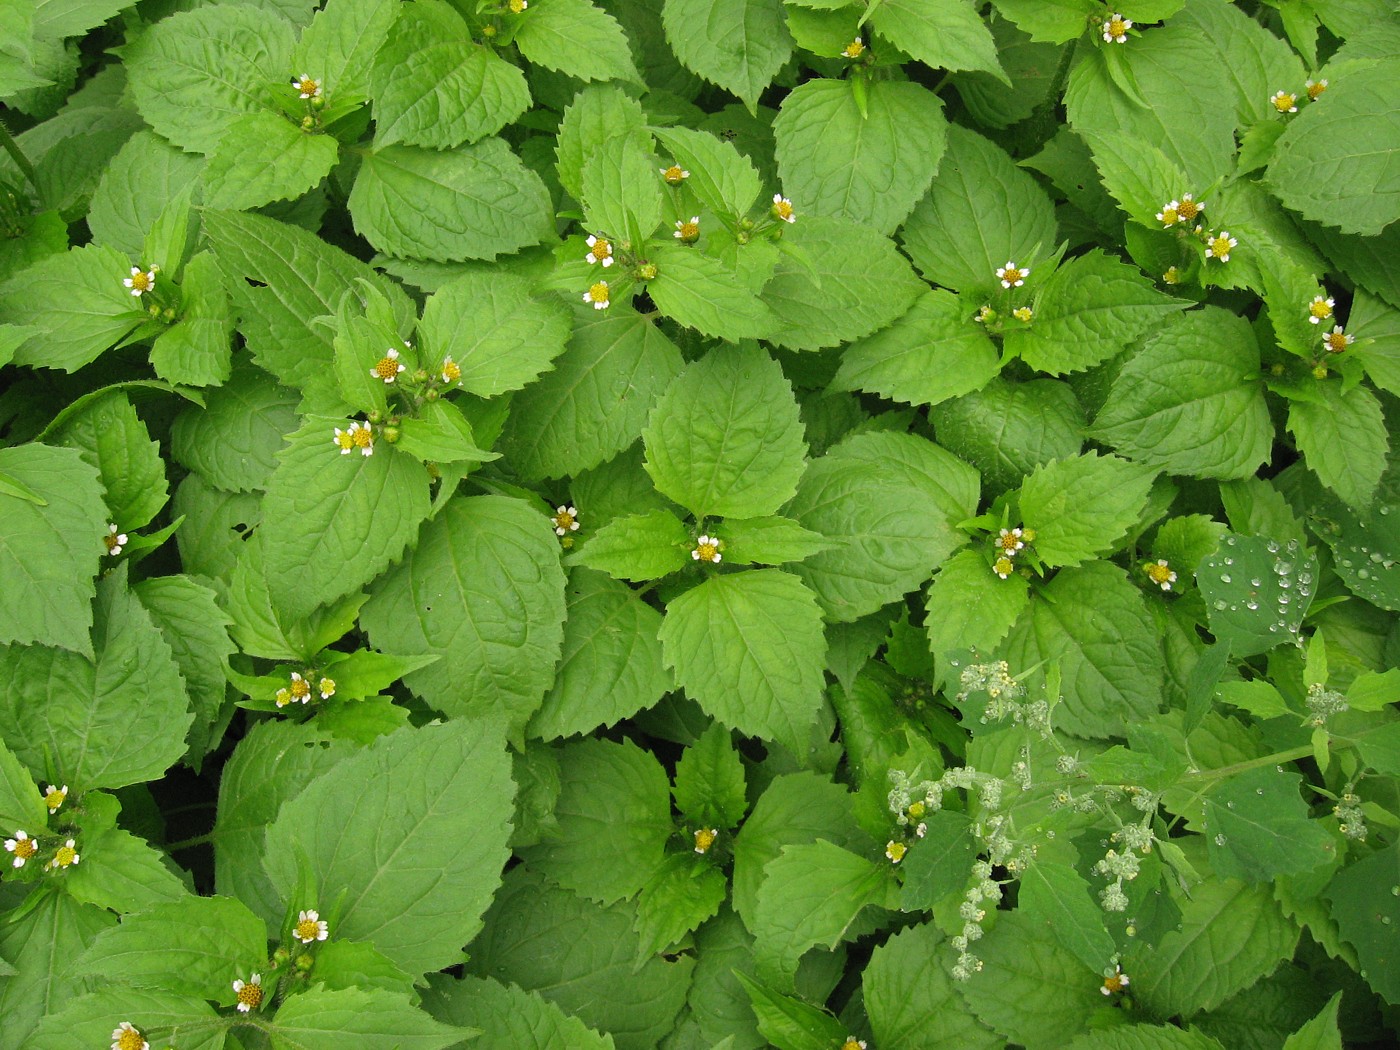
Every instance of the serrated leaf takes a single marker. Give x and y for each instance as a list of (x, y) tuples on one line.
[(417, 852), (195, 351), (482, 589), (638, 547), (981, 210), (1080, 507), (725, 439), (21, 805), (1321, 1032), (576, 38), (768, 541), (121, 872), (610, 665), (340, 44), (323, 1018), (679, 896), (109, 722), (87, 1019), (510, 1018), (110, 436), (1189, 401), (614, 817), (943, 34), (472, 202), (787, 1022), (895, 138), (195, 73), (970, 607), (1344, 440), (1258, 828), (1366, 912), (1257, 591), (748, 648), (263, 157), (1093, 623), (723, 179), (710, 780), (1365, 545), (333, 522), (937, 863), (699, 291), (136, 185), (440, 433), (1145, 1037), (738, 44), (888, 541), (1056, 896), (1348, 129), (598, 116)]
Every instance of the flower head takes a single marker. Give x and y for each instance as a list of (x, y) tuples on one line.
[(308, 86), (1284, 101), (22, 846), (674, 175), (597, 295), (782, 208), (326, 687), (1115, 30), (688, 232), (1003, 567), (1320, 308), (1169, 215), (1161, 574), (895, 851), (125, 1037), (599, 251), (1171, 276), (114, 541), (300, 689), (1012, 276), (387, 367), (1336, 340), (706, 549), (141, 281), (1023, 314), (1114, 982), (55, 796), (310, 927), (65, 857), (852, 1043), (854, 49), (565, 519), (516, 6), (357, 435), (705, 838), (1188, 207), (249, 993), (1316, 88), (1011, 540), (451, 371), (1218, 246)]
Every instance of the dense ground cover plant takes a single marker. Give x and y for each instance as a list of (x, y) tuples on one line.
[(706, 523)]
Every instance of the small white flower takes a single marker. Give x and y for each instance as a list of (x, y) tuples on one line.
[(1218, 247), (249, 993), (114, 541), (125, 1037), (706, 549), (140, 281), (22, 846), (54, 797), (600, 251), (310, 927), (598, 295), (565, 519), (65, 857), (674, 175), (1284, 101), (1012, 276), (308, 85), (387, 367), (1115, 30), (782, 208), (1320, 308)]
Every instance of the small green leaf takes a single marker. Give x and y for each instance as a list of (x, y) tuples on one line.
[(789, 1023), (264, 157), (1058, 897), (1321, 1032), (1082, 506), (1008, 429), (1258, 828), (937, 864), (576, 38), (510, 1017), (912, 1000), (679, 896), (195, 350), (700, 292), (768, 541), (339, 45), (1366, 912), (970, 607), (109, 435), (737, 44), (87, 1019), (441, 434), (598, 116), (1344, 440), (1257, 591), (943, 34), (21, 805), (721, 177), (121, 872), (710, 781), (638, 547)]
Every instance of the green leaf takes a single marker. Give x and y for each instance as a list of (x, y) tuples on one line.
[(1372, 691), (638, 547), (838, 282), (1057, 896), (1344, 440), (1138, 175), (681, 894), (1231, 934), (49, 551), (1366, 545), (701, 292), (1258, 828), (725, 439), (1190, 401), (737, 44), (970, 607), (109, 435), (930, 354), (710, 780), (890, 503), (333, 522), (87, 1020), (1090, 309), (1377, 325), (1257, 697), (233, 440), (1367, 912), (263, 157), (137, 184), (598, 116), (440, 433), (913, 1002), (981, 210), (748, 648), (768, 541), (892, 144), (1348, 129), (722, 178), (787, 1022), (78, 300), (184, 947), (1082, 506), (937, 864), (1145, 1037), (614, 817), (1321, 1032), (510, 1017), (324, 1018), (48, 937), (576, 38), (472, 202), (416, 852), (1094, 624), (482, 589), (1008, 429), (195, 351), (943, 34), (109, 722), (1257, 591), (500, 336), (121, 872), (598, 981), (595, 401), (21, 805), (340, 44), (810, 896), (195, 73), (437, 87)]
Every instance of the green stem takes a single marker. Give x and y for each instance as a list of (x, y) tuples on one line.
[(1277, 758), (190, 843), (21, 161)]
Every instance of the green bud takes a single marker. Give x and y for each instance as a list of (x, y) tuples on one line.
[(376, 416), (646, 272), (391, 434), (431, 395)]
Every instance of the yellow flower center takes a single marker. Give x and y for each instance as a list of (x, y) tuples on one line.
[(600, 250), (130, 1039), (308, 86), (1315, 89), (364, 438), (598, 293), (782, 208), (1169, 216), (1188, 209), (327, 687), (451, 370), (1160, 574), (54, 798), (308, 930), (1002, 567), (1283, 102), (250, 995), (706, 551), (386, 368), (895, 851), (1114, 983), (284, 697), (704, 839), (516, 6), (674, 175), (345, 439), (1172, 276), (916, 810), (1011, 275), (1022, 313), (1116, 27), (1220, 247), (564, 520), (111, 540), (25, 848), (300, 689), (1320, 308), (1336, 341), (854, 49), (688, 231), (65, 856)]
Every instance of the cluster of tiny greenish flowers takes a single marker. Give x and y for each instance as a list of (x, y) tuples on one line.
[(1005, 697), (1351, 821), (984, 889), (1120, 867), (1323, 703)]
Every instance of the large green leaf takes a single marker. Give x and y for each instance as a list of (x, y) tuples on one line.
[(725, 439), (748, 647), (723, 179), (48, 937), (890, 503), (510, 1017), (332, 522), (1008, 429), (700, 292), (110, 436), (1258, 591), (87, 1020), (577, 38), (1344, 440), (144, 176), (1367, 912), (893, 137), (323, 1019), (738, 44), (263, 157), (482, 589), (416, 848), (340, 44), (1082, 506), (970, 607), (944, 34), (1258, 828), (234, 439), (598, 116)]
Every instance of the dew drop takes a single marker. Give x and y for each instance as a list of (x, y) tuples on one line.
[(1251, 606), (1219, 605), (1255, 581), (1220, 840), (1385, 511), (1225, 578), (1385, 920)]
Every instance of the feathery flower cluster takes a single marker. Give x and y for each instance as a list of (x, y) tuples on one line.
[(1351, 819), (1323, 703)]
